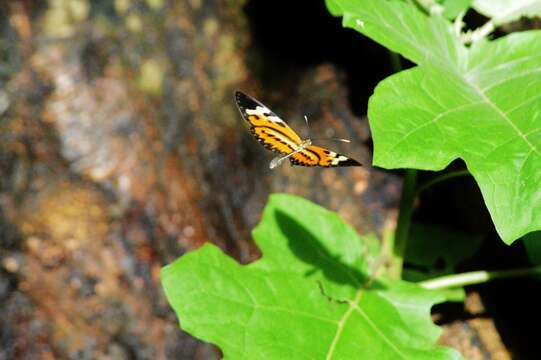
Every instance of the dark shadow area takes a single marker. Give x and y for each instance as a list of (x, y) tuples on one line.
[(295, 35), (455, 203), (305, 245), (450, 312), (512, 304)]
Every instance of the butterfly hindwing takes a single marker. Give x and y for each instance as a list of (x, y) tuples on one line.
[(318, 156), (266, 126)]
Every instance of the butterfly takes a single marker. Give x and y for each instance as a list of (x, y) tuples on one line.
[(276, 135)]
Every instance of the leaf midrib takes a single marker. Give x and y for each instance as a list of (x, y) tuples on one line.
[(354, 306), (502, 114)]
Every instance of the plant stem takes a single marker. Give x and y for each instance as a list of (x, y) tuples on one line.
[(403, 222), (441, 178), (397, 243), (477, 277), (479, 33)]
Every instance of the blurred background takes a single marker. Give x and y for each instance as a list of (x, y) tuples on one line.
[(121, 148)]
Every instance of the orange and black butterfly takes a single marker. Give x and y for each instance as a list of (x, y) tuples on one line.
[(276, 135)]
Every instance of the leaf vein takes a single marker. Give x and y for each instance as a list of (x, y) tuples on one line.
[(432, 121), (525, 102), (378, 331), (341, 323), (503, 115), (507, 79)]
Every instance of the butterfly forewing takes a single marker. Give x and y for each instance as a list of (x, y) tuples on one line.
[(266, 126)]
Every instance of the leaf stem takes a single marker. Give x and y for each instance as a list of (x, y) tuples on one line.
[(477, 277), (442, 178), (403, 222)]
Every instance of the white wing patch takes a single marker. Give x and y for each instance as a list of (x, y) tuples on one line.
[(263, 111), (335, 161)]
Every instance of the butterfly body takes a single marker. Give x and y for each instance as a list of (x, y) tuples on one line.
[(273, 133)]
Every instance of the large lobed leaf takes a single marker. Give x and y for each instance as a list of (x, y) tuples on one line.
[(481, 104), (308, 297)]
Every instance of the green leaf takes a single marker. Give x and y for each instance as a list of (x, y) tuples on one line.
[(481, 104), (532, 243), (502, 11), (333, 7), (452, 8), (308, 297)]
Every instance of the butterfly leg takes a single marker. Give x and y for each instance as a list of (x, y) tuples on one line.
[(280, 159)]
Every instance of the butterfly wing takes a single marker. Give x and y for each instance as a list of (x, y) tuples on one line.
[(318, 156), (267, 128)]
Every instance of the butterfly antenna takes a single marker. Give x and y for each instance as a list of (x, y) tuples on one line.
[(334, 139), (307, 125)]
